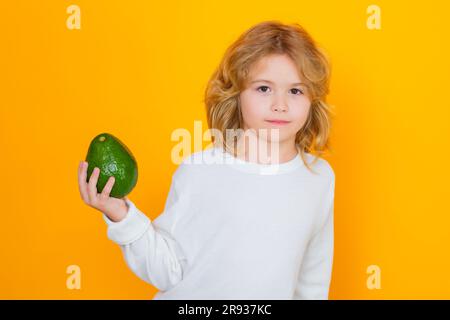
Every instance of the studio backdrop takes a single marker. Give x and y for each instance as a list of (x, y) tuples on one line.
[(138, 69)]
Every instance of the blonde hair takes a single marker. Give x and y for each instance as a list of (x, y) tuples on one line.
[(228, 80)]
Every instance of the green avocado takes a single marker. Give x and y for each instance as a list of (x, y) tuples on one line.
[(113, 158)]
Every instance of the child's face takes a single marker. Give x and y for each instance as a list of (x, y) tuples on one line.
[(273, 92)]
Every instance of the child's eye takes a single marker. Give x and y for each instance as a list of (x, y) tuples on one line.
[(265, 88), (296, 91)]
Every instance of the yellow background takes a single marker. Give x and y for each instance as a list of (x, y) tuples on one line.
[(138, 69)]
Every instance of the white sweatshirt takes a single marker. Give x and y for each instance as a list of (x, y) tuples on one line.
[(235, 229)]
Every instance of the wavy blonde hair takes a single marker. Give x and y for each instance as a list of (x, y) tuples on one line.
[(229, 79)]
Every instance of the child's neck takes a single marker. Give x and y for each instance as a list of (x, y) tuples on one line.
[(269, 152)]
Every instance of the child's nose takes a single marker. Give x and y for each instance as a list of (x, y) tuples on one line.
[(279, 103), (279, 107)]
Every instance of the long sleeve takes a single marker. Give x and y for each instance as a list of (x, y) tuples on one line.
[(315, 273), (149, 249)]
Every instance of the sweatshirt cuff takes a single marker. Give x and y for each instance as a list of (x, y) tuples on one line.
[(130, 228)]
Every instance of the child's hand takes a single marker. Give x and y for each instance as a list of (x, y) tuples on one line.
[(115, 209)]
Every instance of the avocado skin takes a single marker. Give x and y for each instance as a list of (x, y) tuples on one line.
[(113, 158)]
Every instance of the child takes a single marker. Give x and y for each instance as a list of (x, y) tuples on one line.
[(233, 227)]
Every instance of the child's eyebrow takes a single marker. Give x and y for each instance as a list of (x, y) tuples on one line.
[(268, 81)]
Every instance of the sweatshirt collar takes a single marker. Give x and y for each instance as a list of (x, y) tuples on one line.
[(257, 168)]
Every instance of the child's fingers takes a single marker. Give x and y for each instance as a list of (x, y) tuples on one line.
[(82, 185), (108, 187), (92, 184)]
